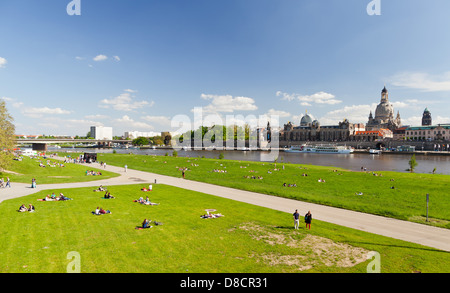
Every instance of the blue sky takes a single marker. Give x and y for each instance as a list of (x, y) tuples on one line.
[(134, 65)]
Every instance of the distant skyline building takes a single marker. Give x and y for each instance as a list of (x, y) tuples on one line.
[(426, 118), (311, 130), (384, 115), (101, 132), (136, 134)]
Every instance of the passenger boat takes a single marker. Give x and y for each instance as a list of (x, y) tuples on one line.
[(375, 152), (320, 149)]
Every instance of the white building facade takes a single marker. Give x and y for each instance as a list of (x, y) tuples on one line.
[(101, 132)]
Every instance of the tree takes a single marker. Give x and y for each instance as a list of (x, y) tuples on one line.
[(412, 163), (140, 141), (7, 139)]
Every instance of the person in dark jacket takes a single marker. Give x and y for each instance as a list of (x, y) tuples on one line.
[(308, 219)]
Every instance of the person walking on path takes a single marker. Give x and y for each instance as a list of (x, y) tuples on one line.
[(126, 168), (308, 219), (296, 219), (8, 183)]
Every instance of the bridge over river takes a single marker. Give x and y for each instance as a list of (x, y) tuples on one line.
[(42, 144)]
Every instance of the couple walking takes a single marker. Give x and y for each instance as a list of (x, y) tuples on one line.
[(308, 218)]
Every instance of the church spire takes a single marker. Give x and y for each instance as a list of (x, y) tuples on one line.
[(384, 94)]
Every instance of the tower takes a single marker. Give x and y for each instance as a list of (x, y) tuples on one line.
[(426, 118), (384, 95)]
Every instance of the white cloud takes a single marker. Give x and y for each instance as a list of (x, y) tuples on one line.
[(129, 122), (3, 62), (100, 58), (97, 116), (306, 100), (124, 102), (228, 104), (279, 113), (7, 99), (13, 101), (77, 122), (354, 114), (161, 120), (40, 112), (79, 58), (117, 58), (422, 81)]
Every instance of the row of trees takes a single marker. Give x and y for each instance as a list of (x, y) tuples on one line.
[(7, 136), (233, 132), (140, 141)]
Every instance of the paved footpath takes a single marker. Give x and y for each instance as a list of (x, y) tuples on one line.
[(411, 232)]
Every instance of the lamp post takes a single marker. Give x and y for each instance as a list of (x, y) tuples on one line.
[(428, 199)]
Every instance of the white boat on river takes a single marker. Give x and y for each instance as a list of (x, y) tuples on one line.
[(320, 149)]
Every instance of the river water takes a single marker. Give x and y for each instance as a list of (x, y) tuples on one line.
[(354, 161)]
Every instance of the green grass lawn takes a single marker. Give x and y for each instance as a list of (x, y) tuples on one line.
[(248, 239), (27, 169), (407, 201)]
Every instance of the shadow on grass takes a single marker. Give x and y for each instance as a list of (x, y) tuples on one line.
[(424, 248)]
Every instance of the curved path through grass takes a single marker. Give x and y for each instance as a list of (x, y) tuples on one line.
[(412, 232)]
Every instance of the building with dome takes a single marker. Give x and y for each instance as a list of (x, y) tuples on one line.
[(310, 129), (384, 115)]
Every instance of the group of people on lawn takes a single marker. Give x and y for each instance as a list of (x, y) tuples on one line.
[(54, 197)]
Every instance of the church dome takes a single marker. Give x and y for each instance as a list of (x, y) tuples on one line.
[(384, 111), (306, 120)]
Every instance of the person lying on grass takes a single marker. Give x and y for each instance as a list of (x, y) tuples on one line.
[(146, 201), (211, 216), (100, 211), (53, 197)]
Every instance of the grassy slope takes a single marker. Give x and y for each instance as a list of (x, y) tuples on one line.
[(28, 169), (40, 241), (407, 201)]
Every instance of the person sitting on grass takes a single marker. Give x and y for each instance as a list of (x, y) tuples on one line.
[(101, 188), (145, 225), (100, 211), (31, 208), (23, 208), (108, 195)]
